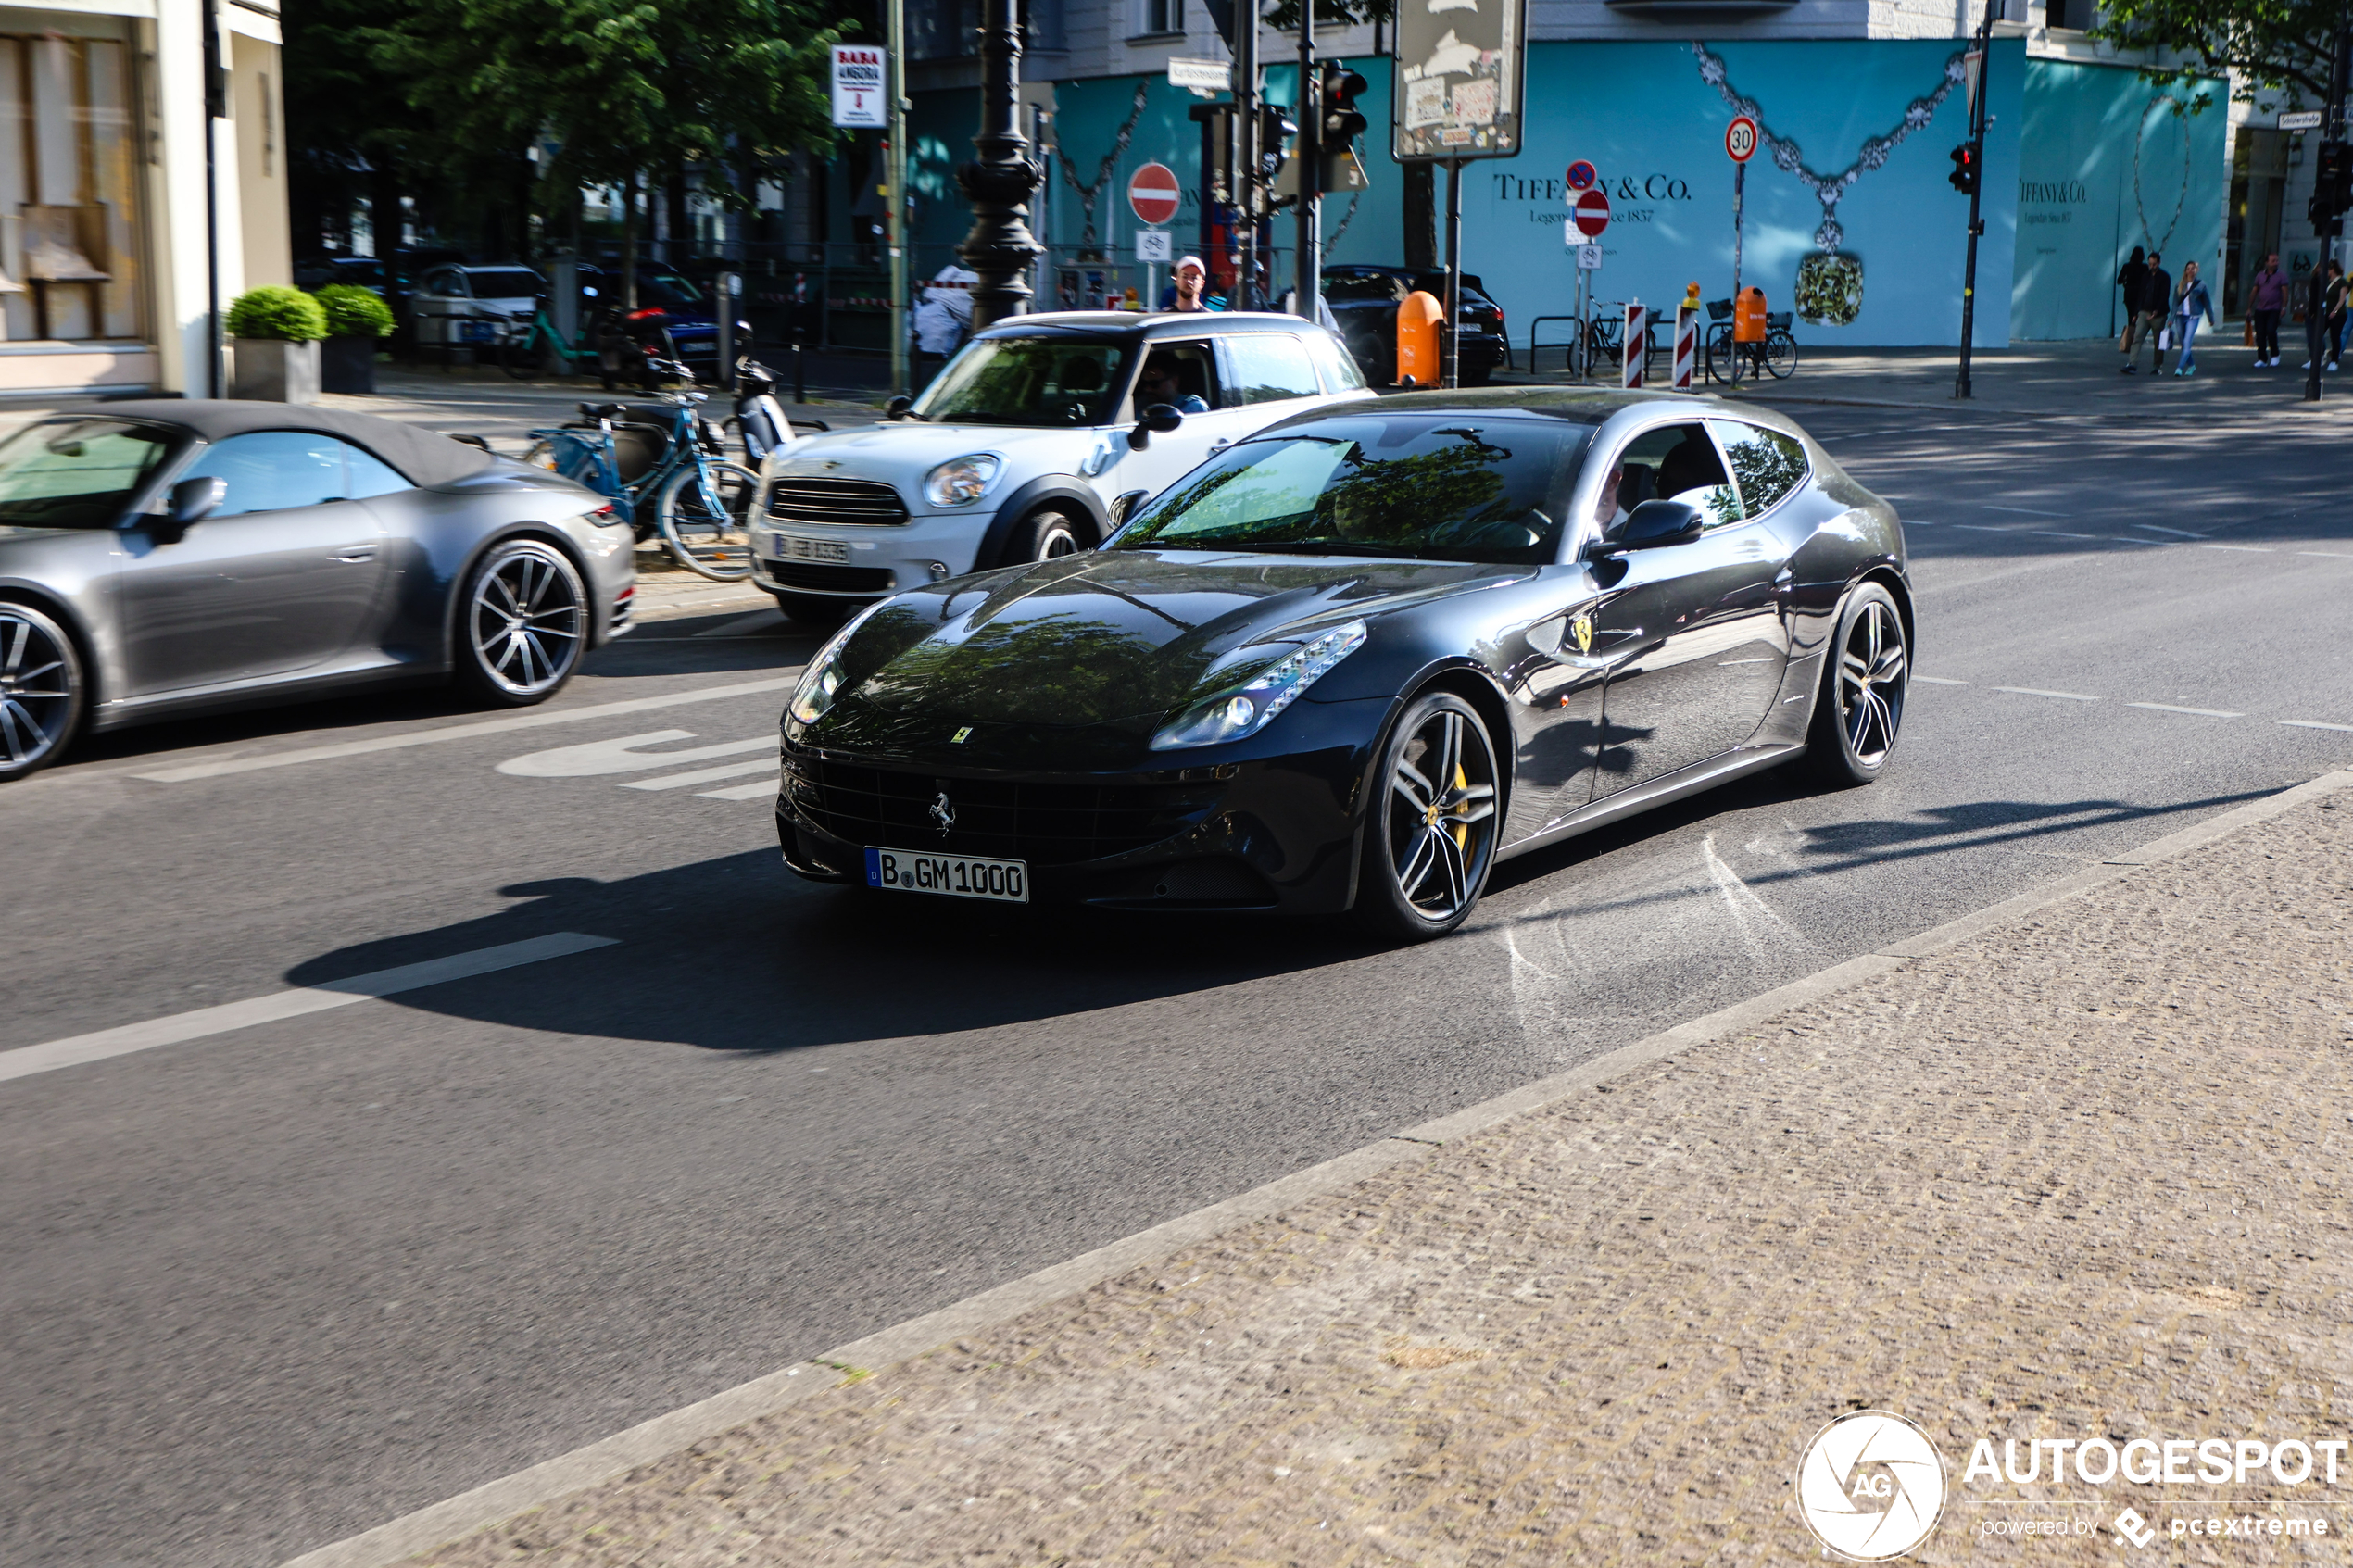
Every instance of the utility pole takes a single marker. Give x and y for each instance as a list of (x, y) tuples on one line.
[(999, 183), (2330, 177), (1976, 194), (1451, 344), (1248, 178), (895, 175), (1307, 149)]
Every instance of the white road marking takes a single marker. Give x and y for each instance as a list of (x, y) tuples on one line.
[(2047, 534), (764, 619), (2029, 511), (1760, 928), (2201, 712), (764, 788), (74, 1049), (2031, 691), (461, 732), (1940, 681), (705, 775), (622, 755), (1991, 527), (2242, 550), (2316, 724), (2327, 555), (2177, 533)]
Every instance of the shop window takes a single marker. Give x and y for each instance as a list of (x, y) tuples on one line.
[(70, 240)]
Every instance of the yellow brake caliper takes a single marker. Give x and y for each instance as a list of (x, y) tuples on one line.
[(1461, 827)]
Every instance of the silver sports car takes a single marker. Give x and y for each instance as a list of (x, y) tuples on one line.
[(159, 558)]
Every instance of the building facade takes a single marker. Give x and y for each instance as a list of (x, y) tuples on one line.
[(114, 244)]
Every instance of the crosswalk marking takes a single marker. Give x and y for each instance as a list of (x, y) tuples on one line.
[(766, 789)]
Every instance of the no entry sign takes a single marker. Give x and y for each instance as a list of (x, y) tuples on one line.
[(1592, 214), (1152, 193), (1740, 139)]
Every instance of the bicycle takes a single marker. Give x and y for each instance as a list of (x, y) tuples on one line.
[(524, 347), (667, 455), (1606, 338), (1775, 356)]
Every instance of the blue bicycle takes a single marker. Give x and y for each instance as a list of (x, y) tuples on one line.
[(662, 466)]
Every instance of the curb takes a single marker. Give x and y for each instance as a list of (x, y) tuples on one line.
[(542, 1483)]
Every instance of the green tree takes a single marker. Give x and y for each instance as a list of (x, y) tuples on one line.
[(2272, 50)]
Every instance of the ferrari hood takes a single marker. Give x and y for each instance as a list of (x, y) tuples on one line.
[(1112, 640)]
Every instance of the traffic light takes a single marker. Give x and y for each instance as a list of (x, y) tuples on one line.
[(2331, 184), (1343, 122), (1276, 128), (1216, 122), (1964, 175)]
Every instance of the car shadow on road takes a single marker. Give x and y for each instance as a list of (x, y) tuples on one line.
[(735, 954)]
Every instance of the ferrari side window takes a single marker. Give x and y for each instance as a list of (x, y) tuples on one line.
[(1672, 463), (1767, 464)]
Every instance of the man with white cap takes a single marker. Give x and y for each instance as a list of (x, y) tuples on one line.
[(1189, 288)]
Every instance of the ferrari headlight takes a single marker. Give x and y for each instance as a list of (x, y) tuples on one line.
[(962, 481), (1248, 709), (822, 679)]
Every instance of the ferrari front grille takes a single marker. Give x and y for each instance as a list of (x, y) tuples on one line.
[(836, 501), (1045, 824)]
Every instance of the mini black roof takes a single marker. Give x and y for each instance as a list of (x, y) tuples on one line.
[(424, 457)]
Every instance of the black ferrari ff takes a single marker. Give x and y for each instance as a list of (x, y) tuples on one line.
[(1354, 660), (160, 559)]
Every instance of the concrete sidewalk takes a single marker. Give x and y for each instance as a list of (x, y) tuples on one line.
[(2071, 1168)]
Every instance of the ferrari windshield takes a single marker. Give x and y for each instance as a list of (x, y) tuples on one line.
[(1054, 382), (76, 473), (1478, 486)]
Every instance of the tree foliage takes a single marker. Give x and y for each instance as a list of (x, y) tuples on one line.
[(2274, 51)]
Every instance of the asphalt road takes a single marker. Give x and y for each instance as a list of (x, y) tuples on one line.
[(273, 1285)]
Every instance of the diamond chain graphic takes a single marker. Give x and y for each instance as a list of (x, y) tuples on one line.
[(1871, 1486)]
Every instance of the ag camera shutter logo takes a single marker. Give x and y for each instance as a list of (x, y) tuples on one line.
[(1871, 1486)]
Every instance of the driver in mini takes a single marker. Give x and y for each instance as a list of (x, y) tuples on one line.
[(1158, 383)]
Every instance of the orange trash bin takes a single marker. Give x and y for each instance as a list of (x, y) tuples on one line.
[(1748, 317), (1417, 348)]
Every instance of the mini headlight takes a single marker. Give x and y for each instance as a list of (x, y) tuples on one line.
[(822, 679), (1250, 708), (961, 480)]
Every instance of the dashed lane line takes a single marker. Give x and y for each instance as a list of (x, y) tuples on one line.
[(2201, 712), (75, 1049), (2053, 533), (2241, 549), (2034, 690), (705, 775), (2028, 511), (2316, 724), (460, 731), (2328, 555), (741, 792), (1938, 681), (2177, 533)]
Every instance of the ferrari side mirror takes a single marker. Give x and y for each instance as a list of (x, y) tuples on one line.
[(1124, 506), (1655, 523)]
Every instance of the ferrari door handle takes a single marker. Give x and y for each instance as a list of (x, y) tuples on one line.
[(357, 553)]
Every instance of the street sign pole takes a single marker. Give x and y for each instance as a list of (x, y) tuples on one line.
[(1449, 378), (2334, 227), (1740, 190), (1307, 147), (1247, 174), (1977, 186), (895, 167)]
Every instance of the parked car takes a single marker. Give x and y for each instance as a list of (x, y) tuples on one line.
[(684, 310), (1029, 444), (463, 306), (365, 272), (1361, 657), (1364, 300), (159, 558)]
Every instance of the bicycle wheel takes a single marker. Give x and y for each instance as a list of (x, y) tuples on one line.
[(521, 354), (704, 512), (1781, 353), (1719, 353)]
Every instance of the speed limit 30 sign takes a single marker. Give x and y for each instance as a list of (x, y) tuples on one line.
[(1740, 139)]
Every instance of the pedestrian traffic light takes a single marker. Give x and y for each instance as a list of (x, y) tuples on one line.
[(1343, 122), (2332, 182), (1964, 175)]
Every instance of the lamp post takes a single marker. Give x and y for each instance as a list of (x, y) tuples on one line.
[(999, 183)]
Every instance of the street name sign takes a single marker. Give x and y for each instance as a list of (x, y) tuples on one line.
[(2307, 119), (1152, 193), (859, 93), (1204, 76)]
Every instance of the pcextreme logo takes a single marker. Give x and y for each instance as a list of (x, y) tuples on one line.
[(1871, 1486)]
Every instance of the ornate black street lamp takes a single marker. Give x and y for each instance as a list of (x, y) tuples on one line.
[(1000, 181)]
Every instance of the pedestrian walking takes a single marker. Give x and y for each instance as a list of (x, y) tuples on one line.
[(943, 314), (2266, 297), (2324, 315), (2129, 278), (2155, 303), (1188, 287), (2194, 309)]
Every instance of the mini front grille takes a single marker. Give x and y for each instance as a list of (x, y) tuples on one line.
[(830, 579), (1045, 824), (835, 501)]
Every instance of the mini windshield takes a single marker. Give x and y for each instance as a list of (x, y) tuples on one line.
[(77, 473), (1477, 486), (1054, 382)]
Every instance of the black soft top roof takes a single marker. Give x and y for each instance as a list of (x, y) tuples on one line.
[(423, 456)]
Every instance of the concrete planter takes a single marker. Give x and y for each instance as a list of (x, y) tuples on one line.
[(348, 364), (264, 370)]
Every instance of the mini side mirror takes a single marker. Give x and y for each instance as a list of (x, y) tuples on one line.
[(897, 407), (1161, 418), (191, 501)]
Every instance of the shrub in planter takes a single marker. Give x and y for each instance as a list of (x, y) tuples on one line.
[(356, 320), (275, 331)]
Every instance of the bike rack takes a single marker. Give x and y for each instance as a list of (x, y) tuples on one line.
[(1571, 344)]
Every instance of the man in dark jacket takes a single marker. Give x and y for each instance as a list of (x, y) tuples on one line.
[(2157, 303), (2129, 278)]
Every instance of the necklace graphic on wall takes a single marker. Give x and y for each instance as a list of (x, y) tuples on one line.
[(2140, 145), (1829, 281)]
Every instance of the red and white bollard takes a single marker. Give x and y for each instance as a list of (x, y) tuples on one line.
[(1636, 344), (1686, 346)]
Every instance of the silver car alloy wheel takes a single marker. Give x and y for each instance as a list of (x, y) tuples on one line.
[(526, 620), (1441, 822), (37, 691), (1872, 672)]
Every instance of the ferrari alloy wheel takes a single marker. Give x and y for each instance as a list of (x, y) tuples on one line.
[(1861, 708), (524, 625), (40, 690), (1430, 835)]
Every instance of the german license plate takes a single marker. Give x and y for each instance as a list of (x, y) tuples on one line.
[(799, 548), (958, 876)]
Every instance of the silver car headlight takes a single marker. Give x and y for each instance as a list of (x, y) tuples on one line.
[(962, 481), (822, 681), (1243, 710)]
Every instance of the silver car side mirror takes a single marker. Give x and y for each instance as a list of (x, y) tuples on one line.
[(191, 501)]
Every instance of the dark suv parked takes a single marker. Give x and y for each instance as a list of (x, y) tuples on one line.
[(1365, 300)]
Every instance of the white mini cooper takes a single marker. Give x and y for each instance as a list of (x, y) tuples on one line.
[(1031, 442)]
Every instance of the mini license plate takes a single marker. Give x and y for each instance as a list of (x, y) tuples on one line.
[(799, 548), (958, 876)]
